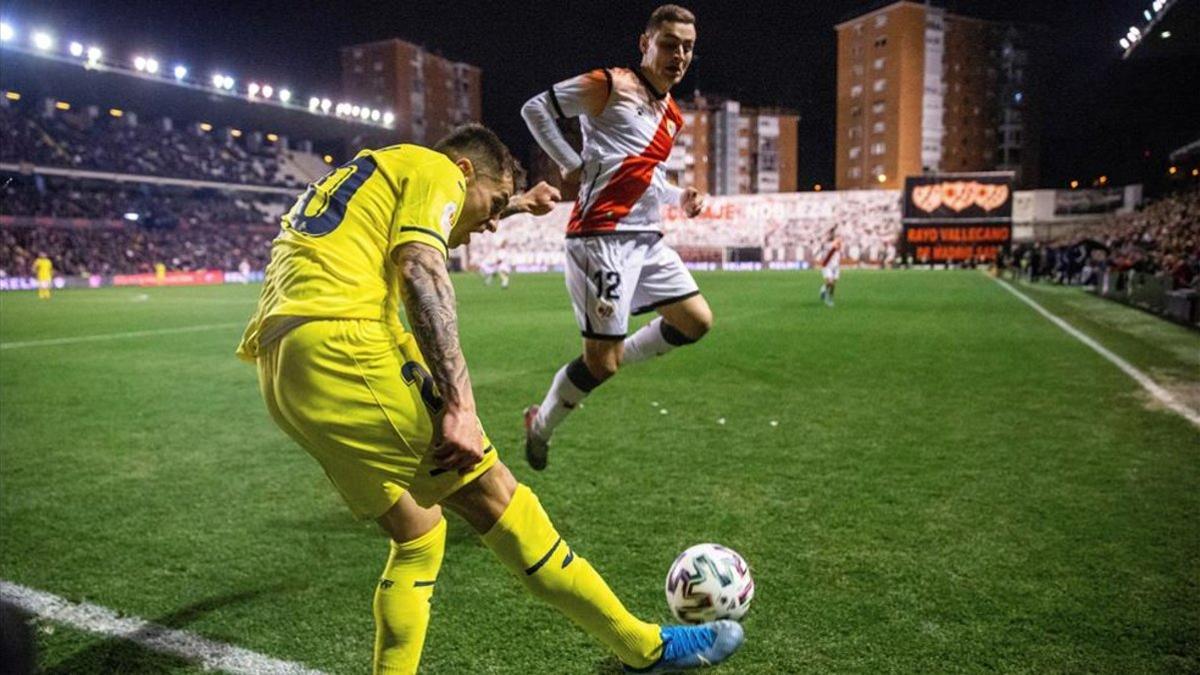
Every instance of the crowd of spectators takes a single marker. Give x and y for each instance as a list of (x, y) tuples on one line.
[(92, 140), (91, 227), (1161, 239), (132, 249)]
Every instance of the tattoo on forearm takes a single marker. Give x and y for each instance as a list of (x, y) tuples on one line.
[(429, 303)]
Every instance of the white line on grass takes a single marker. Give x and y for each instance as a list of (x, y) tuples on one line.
[(116, 336), (1141, 378), (103, 621)]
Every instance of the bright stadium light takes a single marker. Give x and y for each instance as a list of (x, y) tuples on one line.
[(1146, 13), (313, 103), (325, 104), (132, 217), (43, 41), (218, 80), (1124, 43), (252, 89), (236, 133), (93, 54), (1166, 34), (76, 49), (229, 83), (7, 32), (205, 126), (139, 62), (365, 113), (272, 137), (388, 118), (180, 72), (285, 95), (355, 110), (375, 115), (267, 91), (151, 66)]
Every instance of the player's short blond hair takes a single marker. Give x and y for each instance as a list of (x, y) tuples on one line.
[(668, 14)]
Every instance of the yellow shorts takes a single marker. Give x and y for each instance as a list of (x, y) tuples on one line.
[(364, 407)]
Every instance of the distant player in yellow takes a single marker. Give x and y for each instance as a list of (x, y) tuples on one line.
[(390, 415), (44, 270), (160, 273)]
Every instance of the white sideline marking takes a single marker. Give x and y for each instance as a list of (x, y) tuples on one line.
[(115, 336), (103, 621), (1141, 378)]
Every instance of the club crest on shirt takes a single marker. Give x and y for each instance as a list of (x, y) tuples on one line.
[(670, 127), (448, 212), (605, 309)]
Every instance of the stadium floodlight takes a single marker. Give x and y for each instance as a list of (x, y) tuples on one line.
[(229, 83), (267, 91), (1124, 43), (76, 49), (365, 113), (355, 110), (132, 217), (7, 32), (152, 66), (218, 80), (252, 89), (139, 62), (285, 95), (1165, 34), (325, 104), (93, 54), (1146, 13), (180, 72), (43, 41), (313, 103), (388, 118), (375, 115)]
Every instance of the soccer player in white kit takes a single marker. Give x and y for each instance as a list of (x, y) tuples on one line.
[(616, 263), (831, 267)]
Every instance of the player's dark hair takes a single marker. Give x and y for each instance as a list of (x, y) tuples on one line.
[(483, 147), (669, 14)]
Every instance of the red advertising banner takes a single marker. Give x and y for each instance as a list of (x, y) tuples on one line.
[(196, 278)]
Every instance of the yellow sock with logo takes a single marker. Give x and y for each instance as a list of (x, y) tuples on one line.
[(526, 542), (402, 601)]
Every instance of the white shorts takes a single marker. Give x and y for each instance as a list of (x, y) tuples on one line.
[(831, 273), (610, 277)]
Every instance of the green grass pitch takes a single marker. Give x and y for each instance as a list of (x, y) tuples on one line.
[(954, 484)]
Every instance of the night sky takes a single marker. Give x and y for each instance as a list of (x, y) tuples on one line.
[(779, 54)]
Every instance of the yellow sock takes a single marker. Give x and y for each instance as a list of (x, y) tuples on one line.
[(402, 601), (526, 542)]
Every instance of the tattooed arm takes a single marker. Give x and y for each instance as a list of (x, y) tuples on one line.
[(429, 304)]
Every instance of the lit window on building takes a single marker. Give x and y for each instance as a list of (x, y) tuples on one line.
[(879, 85), (879, 63)]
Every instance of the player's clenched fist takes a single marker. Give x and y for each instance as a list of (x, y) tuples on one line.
[(692, 202), (461, 446), (540, 198)]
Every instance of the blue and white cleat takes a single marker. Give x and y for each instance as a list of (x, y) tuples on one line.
[(688, 647)]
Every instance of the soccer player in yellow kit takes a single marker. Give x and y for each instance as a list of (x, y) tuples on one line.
[(390, 414), (44, 271)]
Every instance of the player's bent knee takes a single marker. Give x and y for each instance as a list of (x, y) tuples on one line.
[(482, 501)]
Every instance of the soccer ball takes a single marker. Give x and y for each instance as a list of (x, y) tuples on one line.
[(709, 582)]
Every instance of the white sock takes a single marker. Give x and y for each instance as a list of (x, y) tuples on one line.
[(646, 343), (572, 383)]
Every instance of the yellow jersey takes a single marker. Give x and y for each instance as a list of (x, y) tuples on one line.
[(160, 271), (44, 269), (333, 256)]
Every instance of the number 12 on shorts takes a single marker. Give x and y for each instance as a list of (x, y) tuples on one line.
[(607, 285)]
